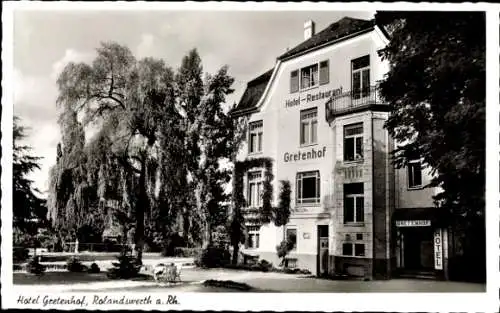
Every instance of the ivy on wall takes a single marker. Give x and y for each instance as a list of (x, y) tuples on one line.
[(264, 213), (282, 211)]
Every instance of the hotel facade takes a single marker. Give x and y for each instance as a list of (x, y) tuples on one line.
[(318, 116)]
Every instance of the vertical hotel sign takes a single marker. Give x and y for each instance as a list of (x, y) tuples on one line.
[(438, 249)]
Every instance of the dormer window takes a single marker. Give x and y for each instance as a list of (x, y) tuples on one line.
[(310, 76)]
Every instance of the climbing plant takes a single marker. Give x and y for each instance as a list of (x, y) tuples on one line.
[(264, 213)]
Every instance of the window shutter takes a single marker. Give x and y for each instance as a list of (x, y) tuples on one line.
[(294, 81), (324, 73)]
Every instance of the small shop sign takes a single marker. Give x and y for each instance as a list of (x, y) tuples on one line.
[(413, 223)]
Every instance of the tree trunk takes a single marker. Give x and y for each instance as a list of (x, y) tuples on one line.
[(202, 213), (236, 251), (140, 209)]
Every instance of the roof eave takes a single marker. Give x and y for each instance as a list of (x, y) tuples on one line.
[(239, 113), (326, 44)]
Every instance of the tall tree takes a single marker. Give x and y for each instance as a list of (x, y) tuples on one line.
[(208, 139), (436, 88), (158, 137), (27, 204), (125, 99)]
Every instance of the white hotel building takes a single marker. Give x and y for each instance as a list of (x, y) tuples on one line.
[(318, 116)]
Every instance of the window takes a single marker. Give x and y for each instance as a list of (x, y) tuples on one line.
[(354, 209), (255, 137), (253, 237), (308, 190), (360, 69), (255, 189), (291, 234), (294, 81), (414, 173), (310, 76), (309, 126), (359, 249), (350, 248), (347, 249), (353, 142)]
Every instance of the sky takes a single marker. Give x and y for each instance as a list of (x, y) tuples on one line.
[(45, 41)]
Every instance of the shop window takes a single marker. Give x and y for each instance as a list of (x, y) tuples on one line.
[(309, 126), (308, 188), (360, 69), (414, 173), (291, 234), (253, 241), (255, 137), (255, 189), (353, 142), (354, 210)]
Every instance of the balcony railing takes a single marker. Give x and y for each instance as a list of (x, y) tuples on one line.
[(353, 101)]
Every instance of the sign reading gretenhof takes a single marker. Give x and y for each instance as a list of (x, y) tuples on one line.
[(313, 153), (310, 97)]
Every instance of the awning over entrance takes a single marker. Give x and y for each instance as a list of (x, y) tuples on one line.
[(420, 217)]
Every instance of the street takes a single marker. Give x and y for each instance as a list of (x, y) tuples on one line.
[(193, 278)]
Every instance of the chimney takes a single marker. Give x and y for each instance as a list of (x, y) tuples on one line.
[(308, 29)]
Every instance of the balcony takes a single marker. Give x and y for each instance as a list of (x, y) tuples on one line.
[(354, 101)]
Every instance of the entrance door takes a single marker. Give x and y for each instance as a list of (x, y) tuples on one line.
[(418, 248), (322, 250)]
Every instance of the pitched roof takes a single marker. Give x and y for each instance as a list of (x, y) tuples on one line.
[(253, 92), (341, 29)]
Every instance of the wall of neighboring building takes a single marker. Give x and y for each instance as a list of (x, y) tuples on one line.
[(407, 197)]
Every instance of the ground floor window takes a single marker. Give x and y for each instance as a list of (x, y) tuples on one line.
[(253, 240), (353, 247), (291, 234), (308, 187)]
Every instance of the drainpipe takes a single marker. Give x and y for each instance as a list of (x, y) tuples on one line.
[(373, 198)]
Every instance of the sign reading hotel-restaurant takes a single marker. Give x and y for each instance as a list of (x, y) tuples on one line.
[(310, 97), (413, 223), (304, 155)]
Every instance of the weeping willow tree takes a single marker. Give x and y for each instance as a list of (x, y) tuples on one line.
[(127, 102), (156, 153)]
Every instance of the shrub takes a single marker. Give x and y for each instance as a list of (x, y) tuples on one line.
[(264, 265), (94, 268), (173, 241), (127, 266), (284, 248), (213, 257), (34, 266), (75, 265), (20, 254), (187, 252)]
